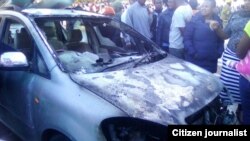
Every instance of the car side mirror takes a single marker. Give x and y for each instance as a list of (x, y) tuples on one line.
[(13, 61)]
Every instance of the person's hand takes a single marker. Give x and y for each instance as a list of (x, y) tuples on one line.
[(214, 25)]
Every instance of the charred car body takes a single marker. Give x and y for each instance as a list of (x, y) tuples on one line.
[(74, 75)]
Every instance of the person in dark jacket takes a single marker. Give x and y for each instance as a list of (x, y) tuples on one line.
[(165, 19), (202, 45), (156, 15)]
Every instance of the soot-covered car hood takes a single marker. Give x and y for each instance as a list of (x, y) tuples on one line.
[(166, 91)]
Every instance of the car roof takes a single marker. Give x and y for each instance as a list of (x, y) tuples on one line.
[(58, 12)]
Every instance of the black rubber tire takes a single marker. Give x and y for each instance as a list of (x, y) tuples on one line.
[(59, 137)]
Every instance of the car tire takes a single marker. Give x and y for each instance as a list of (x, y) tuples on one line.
[(59, 137)]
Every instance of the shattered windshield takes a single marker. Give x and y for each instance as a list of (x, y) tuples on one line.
[(93, 44)]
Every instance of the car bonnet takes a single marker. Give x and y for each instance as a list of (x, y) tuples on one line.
[(166, 91)]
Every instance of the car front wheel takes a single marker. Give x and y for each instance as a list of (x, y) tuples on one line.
[(59, 137)]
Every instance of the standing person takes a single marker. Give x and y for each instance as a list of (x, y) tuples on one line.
[(163, 29), (117, 5), (233, 31), (194, 5), (181, 16), (242, 49), (116, 35), (156, 14), (226, 12), (236, 5), (201, 50), (140, 18), (124, 14)]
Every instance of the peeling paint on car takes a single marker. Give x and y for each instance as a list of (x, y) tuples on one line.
[(166, 96), (59, 12)]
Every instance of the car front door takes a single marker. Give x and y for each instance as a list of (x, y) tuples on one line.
[(18, 88)]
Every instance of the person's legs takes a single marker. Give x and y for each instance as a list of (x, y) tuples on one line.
[(245, 98), (177, 52)]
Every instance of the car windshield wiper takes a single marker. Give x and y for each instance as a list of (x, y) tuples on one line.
[(119, 54), (131, 59), (150, 57), (146, 56)]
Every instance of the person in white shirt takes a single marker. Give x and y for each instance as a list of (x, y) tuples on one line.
[(182, 15)]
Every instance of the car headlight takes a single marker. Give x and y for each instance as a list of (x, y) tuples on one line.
[(208, 115), (133, 129)]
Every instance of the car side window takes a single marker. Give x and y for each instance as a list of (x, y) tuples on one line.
[(18, 37)]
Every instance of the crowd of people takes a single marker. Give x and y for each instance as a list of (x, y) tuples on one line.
[(195, 32)]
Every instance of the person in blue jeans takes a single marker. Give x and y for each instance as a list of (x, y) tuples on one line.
[(163, 28), (241, 51)]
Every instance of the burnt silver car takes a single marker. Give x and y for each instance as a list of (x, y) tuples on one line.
[(70, 75)]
